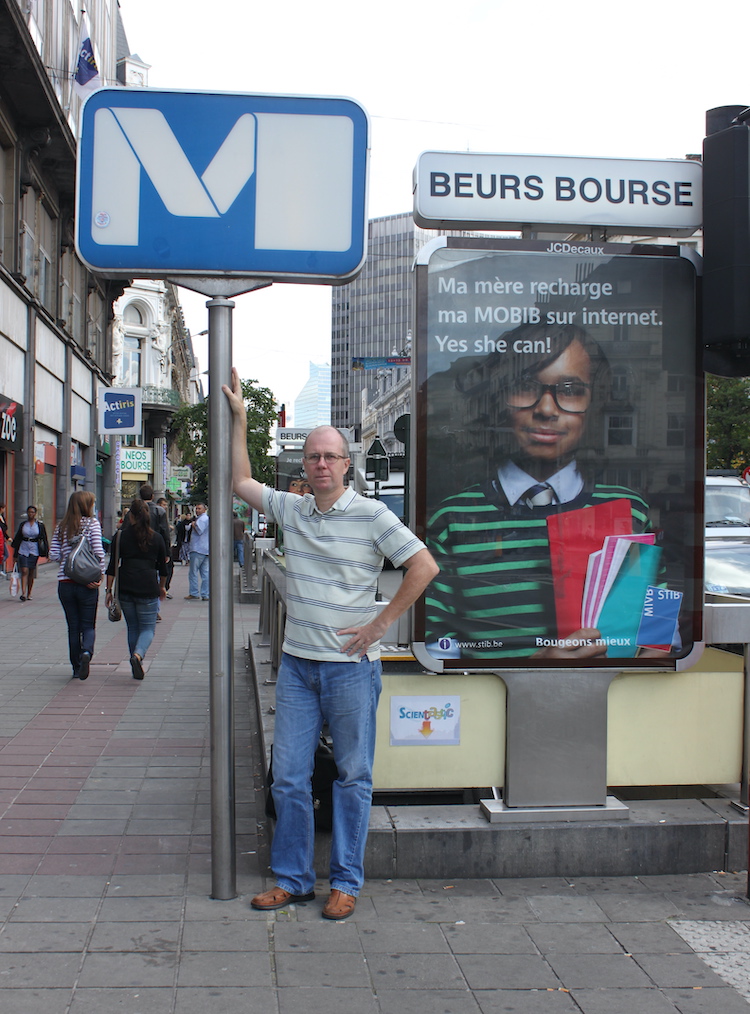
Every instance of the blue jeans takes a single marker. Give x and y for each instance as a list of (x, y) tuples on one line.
[(198, 575), (239, 549), (79, 605), (344, 694), (140, 615)]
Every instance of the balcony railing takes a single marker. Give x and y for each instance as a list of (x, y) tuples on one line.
[(166, 396)]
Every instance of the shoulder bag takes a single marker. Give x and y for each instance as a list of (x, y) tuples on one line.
[(115, 612), (82, 564)]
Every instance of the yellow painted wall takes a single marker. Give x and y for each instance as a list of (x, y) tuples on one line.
[(663, 729)]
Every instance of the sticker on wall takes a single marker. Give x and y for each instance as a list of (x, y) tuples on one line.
[(425, 721)]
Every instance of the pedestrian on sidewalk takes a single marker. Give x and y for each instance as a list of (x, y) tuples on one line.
[(79, 601), (5, 551), (141, 554), (183, 537), (238, 537), (198, 573), (29, 544), (164, 504), (335, 544)]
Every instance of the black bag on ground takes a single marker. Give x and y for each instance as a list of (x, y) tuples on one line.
[(325, 774)]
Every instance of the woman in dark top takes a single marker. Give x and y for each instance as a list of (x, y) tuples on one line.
[(30, 543), (142, 580)]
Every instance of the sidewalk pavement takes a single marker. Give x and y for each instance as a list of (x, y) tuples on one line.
[(105, 871)]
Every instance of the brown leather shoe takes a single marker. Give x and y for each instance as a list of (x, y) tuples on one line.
[(277, 897), (339, 905)]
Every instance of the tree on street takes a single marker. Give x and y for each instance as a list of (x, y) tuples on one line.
[(727, 422), (190, 426)]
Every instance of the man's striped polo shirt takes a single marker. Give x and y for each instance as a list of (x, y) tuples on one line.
[(333, 560)]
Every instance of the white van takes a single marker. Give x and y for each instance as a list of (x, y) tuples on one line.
[(727, 513)]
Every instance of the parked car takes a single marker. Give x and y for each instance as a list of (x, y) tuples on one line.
[(728, 565), (727, 513)]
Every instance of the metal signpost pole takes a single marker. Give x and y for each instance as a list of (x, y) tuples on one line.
[(221, 608)]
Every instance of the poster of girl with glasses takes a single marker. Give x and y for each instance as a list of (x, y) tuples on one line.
[(551, 550)]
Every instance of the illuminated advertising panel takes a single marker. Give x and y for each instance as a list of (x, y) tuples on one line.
[(559, 454)]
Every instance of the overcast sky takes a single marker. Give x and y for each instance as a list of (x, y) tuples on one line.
[(580, 77)]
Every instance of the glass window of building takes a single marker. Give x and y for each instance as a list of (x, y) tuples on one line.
[(130, 371)]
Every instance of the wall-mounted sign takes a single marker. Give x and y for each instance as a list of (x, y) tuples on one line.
[(559, 455), (292, 436), (425, 721), (214, 183), (120, 410), (472, 190), (136, 459), (11, 424), (379, 362)]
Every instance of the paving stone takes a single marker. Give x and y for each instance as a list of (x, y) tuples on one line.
[(574, 938), (24, 971), (483, 939), (566, 908), (504, 971), (624, 1001), (135, 936), (415, 971), (36, 1001), (294, 969), (43, 938), (233, 968), (309, 999), (321, 937), (648, 937), (578, 971), (225, 936), (226, 999), (527, 1001), (132, 1000), (678, 970), (707, 1001), (437, 1001), (123, 969)]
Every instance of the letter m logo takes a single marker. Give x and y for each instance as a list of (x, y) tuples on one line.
[(129, 142), (207, 183)]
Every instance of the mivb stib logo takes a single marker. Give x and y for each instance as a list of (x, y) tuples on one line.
[(215, 183)]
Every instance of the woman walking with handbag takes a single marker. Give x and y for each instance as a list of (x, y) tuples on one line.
[(77, 544), (29, 544), (142, 554)]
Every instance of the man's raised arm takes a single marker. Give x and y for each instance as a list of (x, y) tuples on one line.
[(244, 485)]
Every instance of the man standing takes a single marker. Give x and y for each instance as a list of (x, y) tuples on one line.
[(335, 542), (198, 572)]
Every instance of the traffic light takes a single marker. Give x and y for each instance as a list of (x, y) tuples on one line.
[(726, 242)]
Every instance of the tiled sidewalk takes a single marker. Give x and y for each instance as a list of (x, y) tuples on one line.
[(105, 877)]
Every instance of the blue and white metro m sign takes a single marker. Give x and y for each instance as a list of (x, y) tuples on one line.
[(213, 184)]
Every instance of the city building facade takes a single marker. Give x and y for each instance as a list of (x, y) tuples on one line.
[(55, 316), (152, 350), (65, 332)]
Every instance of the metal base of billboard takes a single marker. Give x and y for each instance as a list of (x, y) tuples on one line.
[(496, 812), (556, 740)]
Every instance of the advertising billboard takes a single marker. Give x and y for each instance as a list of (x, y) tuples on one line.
[(559, 454)]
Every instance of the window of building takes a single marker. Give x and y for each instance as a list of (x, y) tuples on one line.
[(132, 315), (675, 430), (620, 384), (620, 430), (130, 370)]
